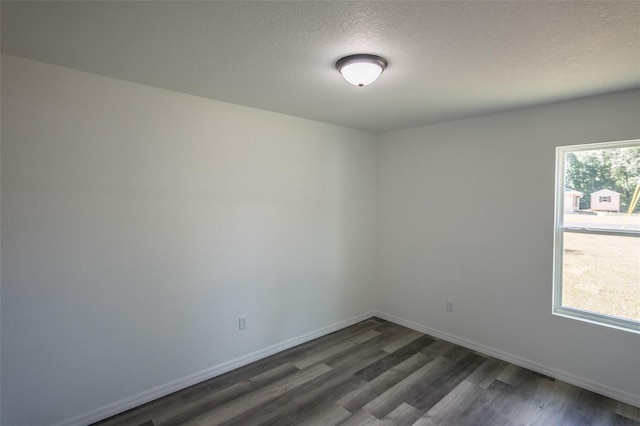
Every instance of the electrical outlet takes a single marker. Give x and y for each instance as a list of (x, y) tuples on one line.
[(450, 305), (242, 322)]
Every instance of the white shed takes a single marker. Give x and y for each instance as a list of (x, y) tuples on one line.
[(572, 200), (605, 200)]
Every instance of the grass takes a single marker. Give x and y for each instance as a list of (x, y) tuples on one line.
[(601, 273)]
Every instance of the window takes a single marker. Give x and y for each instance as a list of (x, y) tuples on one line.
[(597, 250)]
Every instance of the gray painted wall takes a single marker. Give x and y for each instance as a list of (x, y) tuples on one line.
[(138, 224), (465, 212)]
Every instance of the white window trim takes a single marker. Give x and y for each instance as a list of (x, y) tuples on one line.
[(560, 229)]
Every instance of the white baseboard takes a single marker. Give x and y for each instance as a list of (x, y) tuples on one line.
[(176, 385), (581, 382)]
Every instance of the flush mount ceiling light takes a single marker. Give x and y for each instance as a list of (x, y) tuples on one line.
[(361, 69)]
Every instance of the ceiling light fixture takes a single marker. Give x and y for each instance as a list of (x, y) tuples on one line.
[(361, 70)]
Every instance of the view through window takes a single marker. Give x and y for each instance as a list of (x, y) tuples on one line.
[(597, 252)]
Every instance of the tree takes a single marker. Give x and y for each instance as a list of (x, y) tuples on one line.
[(617, 169)]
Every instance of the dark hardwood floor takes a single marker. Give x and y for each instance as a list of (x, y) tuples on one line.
[(379, 373)]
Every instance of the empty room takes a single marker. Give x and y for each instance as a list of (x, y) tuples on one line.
[(320, 213)]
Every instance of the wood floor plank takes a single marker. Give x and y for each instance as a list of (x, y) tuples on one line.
[(293, 405), (587, 409), (456, 353), (397, 338), (396, 395), (371, 371), (232, 408), (360, 418), (484, 375), (320, 355), (440, 347), (311, 403), (508, 374), (459, 399), (530, 397), (371, 390), (557, 399), (347, 356), (296, 405), (402, 341), (328, 414), (387, 327), (377, 373), (428, 392), (488, 405), (209, 402), (403, 415)]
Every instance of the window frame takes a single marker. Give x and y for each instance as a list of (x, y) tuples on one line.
[(559, 230)]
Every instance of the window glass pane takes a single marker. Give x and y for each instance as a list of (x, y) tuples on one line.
[(601, 273), (602, 188)]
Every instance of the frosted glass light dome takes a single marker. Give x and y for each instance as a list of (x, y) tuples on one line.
[(361, 70)]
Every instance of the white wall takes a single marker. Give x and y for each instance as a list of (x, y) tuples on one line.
[(496, 262), (138, 224)]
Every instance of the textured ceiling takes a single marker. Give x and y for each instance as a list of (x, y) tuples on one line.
[(447, 60)]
